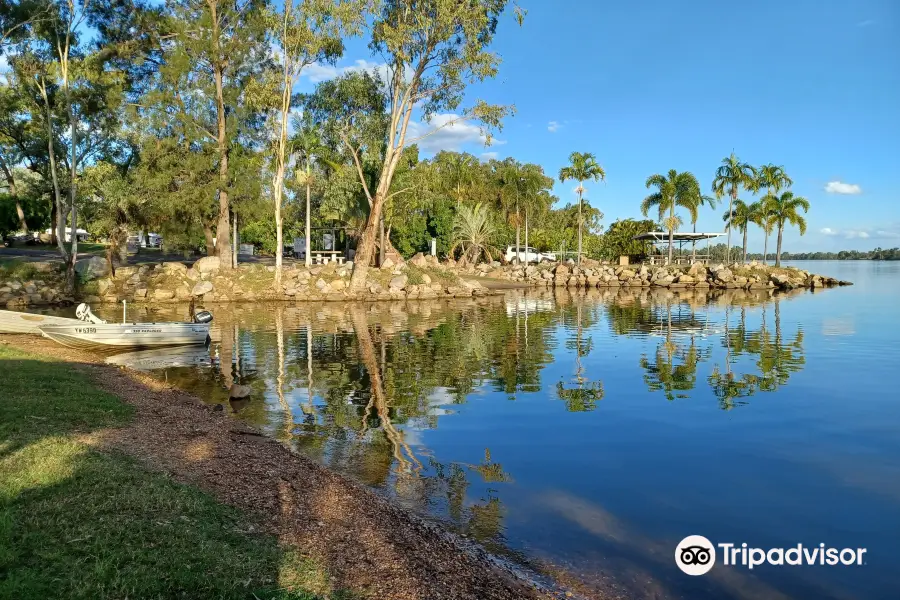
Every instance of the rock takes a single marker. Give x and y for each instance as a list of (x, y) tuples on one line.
[(426, 279), (207, 264), (626, 274), (140, 293), (163, 294), (398, 282), (174, 268), (239, 391), (723, 275), (388, 264), (697, 271), (561, 270), (321, 284), (103, 286), (337, 285), (202, 287), (91, 268), (419, 260), (685, 279), (182, 292), (30, 288)]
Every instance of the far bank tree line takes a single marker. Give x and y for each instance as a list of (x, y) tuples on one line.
[(182, 118)]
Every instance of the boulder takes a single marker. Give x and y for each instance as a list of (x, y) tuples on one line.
[(685, 279), (321, 284), (626, 274), (174, 268), (388, 264), (182, 292), (337, 285), (207, 264), (561, 270), (202, 287), (419, 260), (163, 294), (398, 282), (426, 279), (91, 268), (723, 275), (140, 293), (697, 271)]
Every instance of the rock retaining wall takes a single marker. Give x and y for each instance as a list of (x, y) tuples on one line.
[(592, 274)]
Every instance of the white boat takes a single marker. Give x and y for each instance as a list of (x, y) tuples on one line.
[(19, 322), (91, 332)]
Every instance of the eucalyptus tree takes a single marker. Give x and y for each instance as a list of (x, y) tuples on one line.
[(785, 209), (583, 166), (212, 78), (740, 217), (458, 171), (308, 33), (537, 198), (673, 189), (731, 176), (433, 50), (761, 214), (511, 181), (307, 145)]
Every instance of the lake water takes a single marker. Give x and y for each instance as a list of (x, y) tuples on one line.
[(592, 431)]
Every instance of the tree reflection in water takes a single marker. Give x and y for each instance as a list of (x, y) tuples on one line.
[(357, 386)]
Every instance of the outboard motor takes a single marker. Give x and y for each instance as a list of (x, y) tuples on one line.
[(204, 316), (84, 313)]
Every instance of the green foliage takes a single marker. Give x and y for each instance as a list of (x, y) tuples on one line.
[(260, 233), (618, 240), (473, 233)]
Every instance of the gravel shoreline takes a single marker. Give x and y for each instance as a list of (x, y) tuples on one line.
[(367, 543)]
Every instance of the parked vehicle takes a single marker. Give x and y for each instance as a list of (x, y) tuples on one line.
[(527, 254)]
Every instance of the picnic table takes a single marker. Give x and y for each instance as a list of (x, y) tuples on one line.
[(326, 256)]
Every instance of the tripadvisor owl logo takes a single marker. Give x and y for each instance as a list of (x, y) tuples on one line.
[(695, 555)]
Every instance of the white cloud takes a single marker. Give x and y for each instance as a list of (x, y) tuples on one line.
[(891, 235), (450, 133), (839, 187), (553, 126), (318, 72), (828, 231), (489, 155), (852, 234)]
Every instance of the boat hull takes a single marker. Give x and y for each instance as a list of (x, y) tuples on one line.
[(19, 322), (127, 335)]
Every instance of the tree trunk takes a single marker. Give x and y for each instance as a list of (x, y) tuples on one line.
[(744, 259), (73, 171), (731, 199), (671, 230), (13, 191), (60, 209), (766, 248), (694, 244), (579, 224), (381, 243), (526, 236), (518, 236), (223, 244), (778, 249), (234, 238), (308, 241), (208, 236)]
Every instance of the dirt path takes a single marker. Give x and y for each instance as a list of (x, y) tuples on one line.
[(366, 543)]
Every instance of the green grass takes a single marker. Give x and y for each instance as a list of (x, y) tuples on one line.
[(78, 523), (17, 269)]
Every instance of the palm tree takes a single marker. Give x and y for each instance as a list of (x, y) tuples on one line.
[(784, 209), (740, 217), (583, 166), (676, 189), (761, 214), (730, 178), (773, 178), (472, 232), (308, 146), (512, 183)]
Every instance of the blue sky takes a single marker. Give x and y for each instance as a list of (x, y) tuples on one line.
[(813, 85)]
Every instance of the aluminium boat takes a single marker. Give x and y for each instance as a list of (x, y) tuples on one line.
[(91, 332)]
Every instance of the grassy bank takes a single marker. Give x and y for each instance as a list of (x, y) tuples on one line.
[(79, 523)]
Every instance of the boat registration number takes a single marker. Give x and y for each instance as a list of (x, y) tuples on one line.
[(85, 330)]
